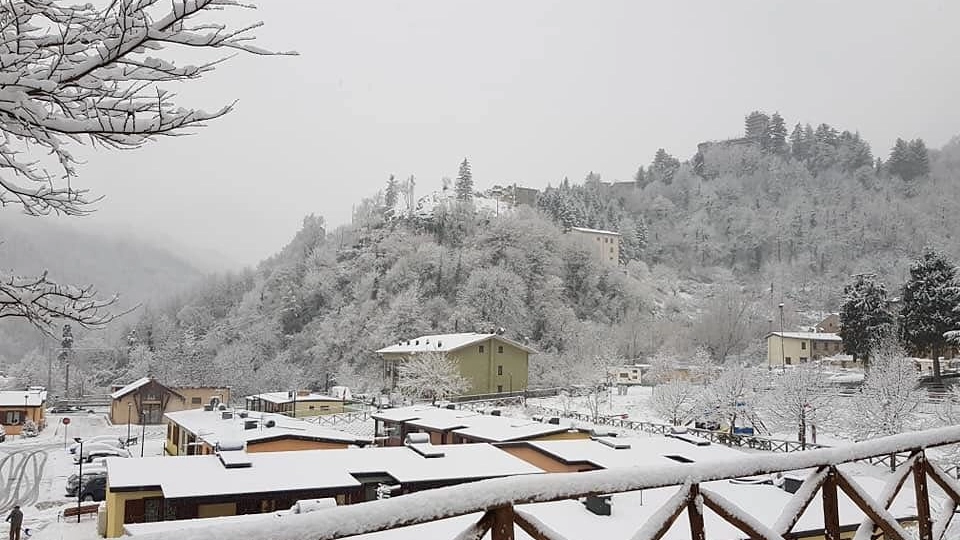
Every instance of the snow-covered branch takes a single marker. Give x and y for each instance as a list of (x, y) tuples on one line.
[(81, 74), (42, 301)]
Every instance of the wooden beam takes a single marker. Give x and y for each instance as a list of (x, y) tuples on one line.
[(502, 526), (695, 513), (890, 492), (659, 523), (734, 515), (831, 513), (943, 480), (883, 519), (944, 517), (924, 523), (800, 501), (478, 529), (534, 528)]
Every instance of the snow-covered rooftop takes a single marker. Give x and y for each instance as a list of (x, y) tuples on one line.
[(286, 397), (476, 426), (19, 398), (815, 336), (447, 343), (310, 470), (648, 450), (131, 387), (594, 231), (211, 427)]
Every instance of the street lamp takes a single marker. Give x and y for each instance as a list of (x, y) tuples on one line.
[(23, 421), (129, 412), (143, 432), (79, 441), (783, 362)]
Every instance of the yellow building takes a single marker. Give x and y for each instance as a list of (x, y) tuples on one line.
[(792, 348), (18, 406), (605, 245), (305, 402), (490, 362), (199, 431), (149, 400)]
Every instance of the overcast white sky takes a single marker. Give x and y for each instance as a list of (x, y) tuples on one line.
[(530, 91)]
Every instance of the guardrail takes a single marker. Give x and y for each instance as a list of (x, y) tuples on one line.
[(498, 504)]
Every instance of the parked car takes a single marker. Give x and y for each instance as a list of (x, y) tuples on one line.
[(111, 440), (63, 409), (3, 434), (92, 487), (100, 451)]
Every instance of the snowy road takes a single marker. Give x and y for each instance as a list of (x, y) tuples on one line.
[(20, 473)]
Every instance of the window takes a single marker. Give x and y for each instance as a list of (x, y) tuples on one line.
[(611, 250), (803, 359), (481, 348), (787, 360), (500, 349), (499, 370), (499, 388), (803, 345), (196, 401), (12, 418)]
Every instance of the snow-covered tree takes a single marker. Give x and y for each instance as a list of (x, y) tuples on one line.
[(930, 297), (432, 375), (84, 73), (731, 397), (888, 401), (865, 316), (675, 401), (464, 183), (798, 399), (727, 324), (391, 196)]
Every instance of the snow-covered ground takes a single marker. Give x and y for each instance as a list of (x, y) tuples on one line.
[(34, 471)]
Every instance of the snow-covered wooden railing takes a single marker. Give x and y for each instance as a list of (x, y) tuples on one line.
[(497, 500)]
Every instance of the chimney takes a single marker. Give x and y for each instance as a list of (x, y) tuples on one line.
[(598, 504), (226, 415)]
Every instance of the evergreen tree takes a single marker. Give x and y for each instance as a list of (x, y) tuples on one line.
[(918, 158), (641, 178), (755, 128), (799, 144), (899, 162), (392, 194), (929, 298), (776, 134), (865, 317), (464, 183), (664, 166)]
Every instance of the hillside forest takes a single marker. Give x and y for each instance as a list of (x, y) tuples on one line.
[(711, 245)]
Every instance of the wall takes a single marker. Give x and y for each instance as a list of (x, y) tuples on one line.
[(192, 394), (795, 349), (544, 461), (284, 445), (116, 503), (36, 414), (216, 510), (604, 247), (480, 368)]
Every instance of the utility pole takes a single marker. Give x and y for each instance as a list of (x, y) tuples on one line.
[(66, 343), (783, 363)]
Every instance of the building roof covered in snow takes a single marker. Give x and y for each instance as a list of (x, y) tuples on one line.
[(448, 343), (289, 397), (139, 383), (214, 426), (472, 425), (594, 231), (311, 470), (19, 398), (814, 336)]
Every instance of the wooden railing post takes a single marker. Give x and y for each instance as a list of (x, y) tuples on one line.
[(695, 513), (831, 513), (924, 523), (502, 528)]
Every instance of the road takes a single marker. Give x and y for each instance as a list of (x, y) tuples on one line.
[(21, 471)]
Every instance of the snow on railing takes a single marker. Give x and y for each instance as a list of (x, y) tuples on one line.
[(495, 499)]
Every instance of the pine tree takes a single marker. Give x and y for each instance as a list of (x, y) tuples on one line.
[(865, 316), (918, 158), (641, 178), (392, 194), (755, 128), (899, 162), (929, 298), (464, 183), (799, 144), (664, 166), (776, 134)]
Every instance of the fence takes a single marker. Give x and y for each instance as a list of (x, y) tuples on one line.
[(498, 503)]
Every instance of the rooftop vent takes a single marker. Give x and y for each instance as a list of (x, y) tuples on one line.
[(417, 438), (222, 407), (250, 424), (439, 344), (229, 446), (420, 443), (452, 406), (270, 423), (226, 415), (598, 504), (214, 402), (495, 412), (680, 459), (235, 459), (688, 438), (555, 420), (208, 407), (243, 414), (417, 342), (613, 443)]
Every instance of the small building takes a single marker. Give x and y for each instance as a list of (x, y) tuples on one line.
[(459, 426), (199, 431), (233, 482), (792, 348), (296, 404), (490, 362), (830, 324), (16, 407), (605, 245), (148, 400)]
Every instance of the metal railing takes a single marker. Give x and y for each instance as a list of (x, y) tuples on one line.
[(497, 504)]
